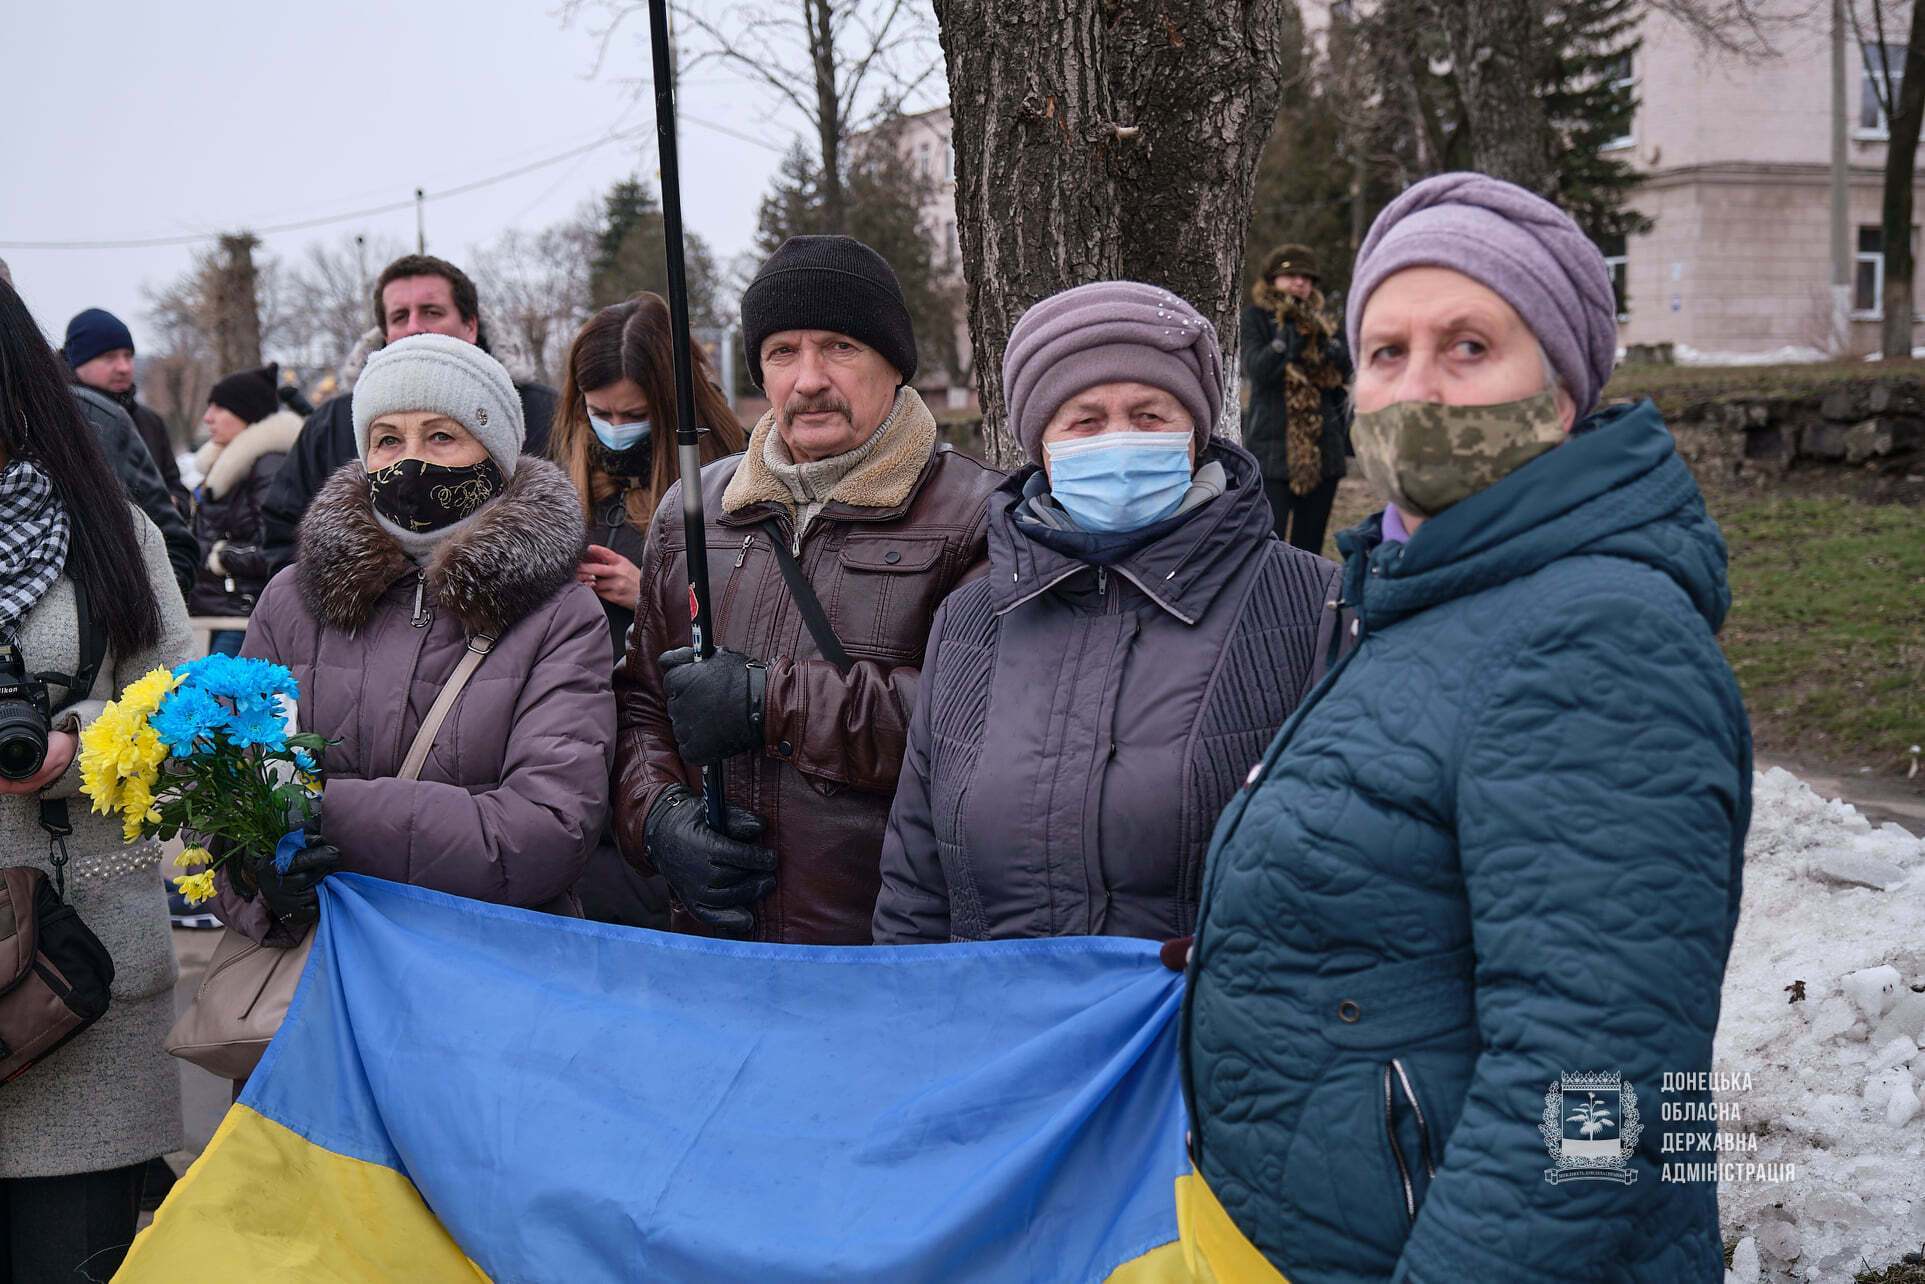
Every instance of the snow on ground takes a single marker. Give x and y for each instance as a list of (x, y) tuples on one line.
[(1835, 1080)]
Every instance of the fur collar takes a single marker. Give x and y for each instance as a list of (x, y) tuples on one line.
[(225, 466), (884, 480), (522, 549)]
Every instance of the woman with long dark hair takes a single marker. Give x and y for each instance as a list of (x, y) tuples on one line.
[(77, 1128), (614, 434)]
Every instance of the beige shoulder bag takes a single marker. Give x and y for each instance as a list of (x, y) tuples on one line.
[(248, 987)]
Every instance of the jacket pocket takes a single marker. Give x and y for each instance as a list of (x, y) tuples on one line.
[(887, 591), (1407, 1137)]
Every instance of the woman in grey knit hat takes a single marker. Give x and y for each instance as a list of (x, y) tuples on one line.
[(1472, 910), (1090, 704), (444, 539)]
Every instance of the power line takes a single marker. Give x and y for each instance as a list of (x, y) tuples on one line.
[(300, 225)]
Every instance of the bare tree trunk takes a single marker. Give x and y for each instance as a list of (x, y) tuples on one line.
[(828, 117), (1098, 139), (1496, 46), (1901, 163), (234, 306)]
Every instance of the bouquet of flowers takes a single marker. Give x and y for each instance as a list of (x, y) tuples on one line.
[(204, 751)]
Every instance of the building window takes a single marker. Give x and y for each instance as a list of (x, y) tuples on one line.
[(1872, 122), (949, 239), (948, 160), (1617, 261), (1868, 274), (1623, 77)]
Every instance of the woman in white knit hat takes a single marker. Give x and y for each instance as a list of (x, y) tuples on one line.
[(444, 539)]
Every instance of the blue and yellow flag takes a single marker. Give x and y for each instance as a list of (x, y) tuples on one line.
[(469, 1092)]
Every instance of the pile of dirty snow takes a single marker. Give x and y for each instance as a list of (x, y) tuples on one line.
[(1836, 1078)]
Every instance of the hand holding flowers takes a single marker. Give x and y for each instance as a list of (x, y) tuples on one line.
[(203, 751)]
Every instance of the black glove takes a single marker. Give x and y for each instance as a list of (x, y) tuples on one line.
[(292, 895), (716, 875), (715, 705)]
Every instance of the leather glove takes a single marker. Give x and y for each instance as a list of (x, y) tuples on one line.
[(717, 876), (714, 705), (292, 895), (1176, 954)]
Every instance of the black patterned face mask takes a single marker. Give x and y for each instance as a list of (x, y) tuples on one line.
[(419, 496)]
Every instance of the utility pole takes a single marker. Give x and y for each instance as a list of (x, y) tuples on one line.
[(420, 221), (1841, 257)]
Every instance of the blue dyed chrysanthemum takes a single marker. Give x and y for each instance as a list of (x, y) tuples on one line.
[(188, 719)]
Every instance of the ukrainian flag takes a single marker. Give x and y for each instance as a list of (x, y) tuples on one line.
[(470, 1092)]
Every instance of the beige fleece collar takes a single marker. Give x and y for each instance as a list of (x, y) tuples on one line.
[(223, 467), (885, 479)]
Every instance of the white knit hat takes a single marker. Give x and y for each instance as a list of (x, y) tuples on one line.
[(447, 376)]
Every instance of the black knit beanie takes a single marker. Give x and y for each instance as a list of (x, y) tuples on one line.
[(251, 394), (829, 283)]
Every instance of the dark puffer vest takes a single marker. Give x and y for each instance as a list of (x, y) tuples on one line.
[(1080, 727)]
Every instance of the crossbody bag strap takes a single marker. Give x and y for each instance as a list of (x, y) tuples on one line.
[(808, 603), (471, 659)]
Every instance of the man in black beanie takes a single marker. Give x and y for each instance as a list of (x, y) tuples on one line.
[(831, 541)]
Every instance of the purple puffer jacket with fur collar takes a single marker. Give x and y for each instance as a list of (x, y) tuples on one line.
[(514, 794)]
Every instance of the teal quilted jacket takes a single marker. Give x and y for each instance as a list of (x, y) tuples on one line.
[(1500, 844)]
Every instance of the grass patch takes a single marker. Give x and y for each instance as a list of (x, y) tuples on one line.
[(1827, 625), (1910, 1270)]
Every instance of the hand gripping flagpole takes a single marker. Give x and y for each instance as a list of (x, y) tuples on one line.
[(687, 433)]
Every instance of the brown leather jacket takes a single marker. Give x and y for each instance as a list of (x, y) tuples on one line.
[(897, 535)]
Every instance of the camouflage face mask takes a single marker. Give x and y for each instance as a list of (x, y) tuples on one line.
[(1425, 456)]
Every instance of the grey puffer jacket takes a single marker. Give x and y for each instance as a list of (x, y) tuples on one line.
[(515, 792), (1080, 727), (112, 1096)]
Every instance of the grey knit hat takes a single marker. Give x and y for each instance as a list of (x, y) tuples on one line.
[(1110, 332), (1519, 246), (450, 377)]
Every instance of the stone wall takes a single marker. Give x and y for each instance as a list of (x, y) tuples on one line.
[(1873, 424)]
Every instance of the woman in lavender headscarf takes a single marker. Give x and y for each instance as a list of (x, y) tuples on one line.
[(1486, 879)]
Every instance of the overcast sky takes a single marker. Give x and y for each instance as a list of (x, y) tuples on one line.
[(137, 120)]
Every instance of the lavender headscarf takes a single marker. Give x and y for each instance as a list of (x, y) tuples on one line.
[(1110, 332), (1521, 247)]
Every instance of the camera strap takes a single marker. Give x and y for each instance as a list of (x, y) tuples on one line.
[(93, 652), (54, 817)]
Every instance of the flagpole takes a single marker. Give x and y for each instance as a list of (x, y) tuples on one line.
[(687, 433)]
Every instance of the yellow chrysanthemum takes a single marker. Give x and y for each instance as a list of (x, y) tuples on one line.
[(136, 807), (196, 887), (144, 694), (193, 858)]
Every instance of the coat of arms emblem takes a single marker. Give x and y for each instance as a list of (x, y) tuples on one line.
[(1591, 1127)]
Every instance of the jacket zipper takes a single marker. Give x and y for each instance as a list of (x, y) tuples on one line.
[(743, 555), (1395, 1074), (423, 613), (1396, 1151)]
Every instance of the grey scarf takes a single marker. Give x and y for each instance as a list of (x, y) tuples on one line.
[(34, 530)]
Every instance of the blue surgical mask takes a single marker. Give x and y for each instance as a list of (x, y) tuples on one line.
[(1120, 481), (619, 437)]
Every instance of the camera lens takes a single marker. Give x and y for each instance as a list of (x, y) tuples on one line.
[(23, 740)]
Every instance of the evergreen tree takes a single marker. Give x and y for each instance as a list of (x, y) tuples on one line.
[(1592, 104), (631, 254), (883, 197)]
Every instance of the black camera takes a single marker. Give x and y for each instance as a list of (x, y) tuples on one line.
[(24, 716)]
